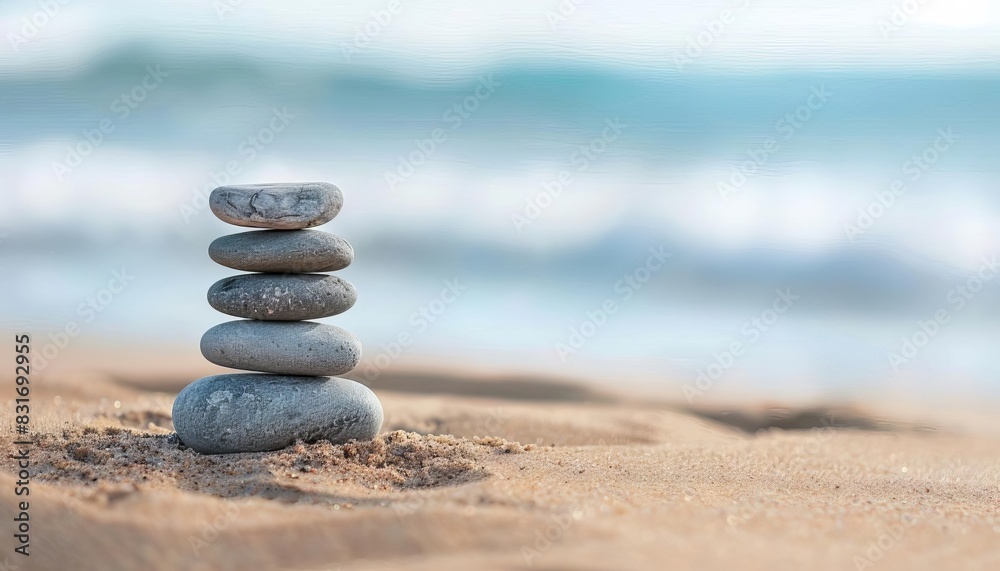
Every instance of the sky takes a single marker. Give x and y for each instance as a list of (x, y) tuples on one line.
[(740, 33)]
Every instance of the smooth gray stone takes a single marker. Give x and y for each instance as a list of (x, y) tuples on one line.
[(279, 297), (282, 206), (282, 347), (278, 251), (224, 414)]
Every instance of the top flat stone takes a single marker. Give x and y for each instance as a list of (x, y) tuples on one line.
[(281, 206)]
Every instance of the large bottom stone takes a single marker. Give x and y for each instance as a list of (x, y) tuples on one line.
[(223, 414)]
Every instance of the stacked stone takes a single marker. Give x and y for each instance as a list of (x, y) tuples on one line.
[(299, 395)]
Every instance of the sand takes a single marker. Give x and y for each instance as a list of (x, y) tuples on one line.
[(470, 474)]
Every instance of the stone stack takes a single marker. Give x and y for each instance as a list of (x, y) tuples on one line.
[(299, 396)]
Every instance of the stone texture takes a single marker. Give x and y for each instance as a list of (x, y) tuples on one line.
[(281, 206), (278, 251), (255, 413), (286, 348), (278, 297)]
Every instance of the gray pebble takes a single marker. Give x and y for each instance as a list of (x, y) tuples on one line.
[(282, 206), (285, 348), (278, 251), (224, 414), (277, 297)]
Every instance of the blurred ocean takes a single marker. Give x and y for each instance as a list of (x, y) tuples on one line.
[(539, 181)]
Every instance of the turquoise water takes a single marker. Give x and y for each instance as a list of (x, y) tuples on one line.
[(867, 192)]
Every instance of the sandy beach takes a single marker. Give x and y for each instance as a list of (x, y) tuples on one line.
[(470, 473), (601, 286)]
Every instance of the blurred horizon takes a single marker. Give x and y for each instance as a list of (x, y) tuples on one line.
[(800, 150)]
